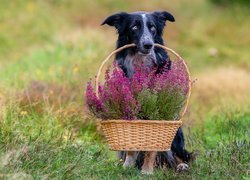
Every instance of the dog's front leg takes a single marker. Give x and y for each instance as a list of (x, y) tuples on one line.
[(130, 159), (149, 161)]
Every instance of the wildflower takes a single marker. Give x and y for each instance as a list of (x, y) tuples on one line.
[(24, 113), (75, 69), (145, 96), (92, 101)]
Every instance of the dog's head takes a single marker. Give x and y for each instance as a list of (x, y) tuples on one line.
[(141, 28)]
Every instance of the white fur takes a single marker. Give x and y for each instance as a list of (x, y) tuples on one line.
[(139, 59), (182, 167), (130, 160), (146, 34)]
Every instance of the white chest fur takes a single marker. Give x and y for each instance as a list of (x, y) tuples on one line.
[(138, 60)]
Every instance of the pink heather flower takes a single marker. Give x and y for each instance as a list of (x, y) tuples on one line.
[(94, 104), (119, 94)]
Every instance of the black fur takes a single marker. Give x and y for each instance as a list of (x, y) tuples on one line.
[(123, 23)]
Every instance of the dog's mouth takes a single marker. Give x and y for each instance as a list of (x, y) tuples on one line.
[(144, 52)]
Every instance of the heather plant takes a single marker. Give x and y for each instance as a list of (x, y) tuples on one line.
[(148, 95), (149, 107)]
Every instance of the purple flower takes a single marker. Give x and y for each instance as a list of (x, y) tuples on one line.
[(94, 104), (121, 97)]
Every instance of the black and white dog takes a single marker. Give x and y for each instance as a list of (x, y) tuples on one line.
[(144, 29)]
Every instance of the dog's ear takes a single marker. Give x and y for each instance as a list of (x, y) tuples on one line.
[(115, 20), (164, 16)]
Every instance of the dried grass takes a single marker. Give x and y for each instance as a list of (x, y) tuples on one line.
[(222, 84)]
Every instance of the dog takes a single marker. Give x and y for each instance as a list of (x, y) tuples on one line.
[(144, 29)]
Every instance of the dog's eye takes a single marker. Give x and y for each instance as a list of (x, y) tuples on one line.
[(152, 28), (134, 28)]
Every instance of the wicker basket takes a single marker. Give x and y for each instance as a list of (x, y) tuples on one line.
[(141, 135)]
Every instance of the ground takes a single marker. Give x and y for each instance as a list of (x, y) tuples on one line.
[(50, 49)]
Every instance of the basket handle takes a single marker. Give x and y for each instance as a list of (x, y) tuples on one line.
[(181, 114)]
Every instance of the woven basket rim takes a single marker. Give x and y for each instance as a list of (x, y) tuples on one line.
[(141, 121)]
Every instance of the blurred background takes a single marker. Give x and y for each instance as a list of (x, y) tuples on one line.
[(49, 49)]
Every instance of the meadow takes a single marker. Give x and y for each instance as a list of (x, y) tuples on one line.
[(50, 49)]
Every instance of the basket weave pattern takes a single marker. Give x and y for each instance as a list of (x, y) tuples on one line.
[(140, 135)]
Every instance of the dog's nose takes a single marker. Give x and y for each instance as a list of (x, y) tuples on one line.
[(147, 45)]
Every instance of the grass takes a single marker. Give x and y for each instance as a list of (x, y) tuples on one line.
[(48, 51)]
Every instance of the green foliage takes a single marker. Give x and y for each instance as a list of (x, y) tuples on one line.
[(149, 105), (165, 105), (49, 152), (225, 126), (231, 2), (170, 103)]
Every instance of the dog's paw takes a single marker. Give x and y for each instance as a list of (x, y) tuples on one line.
[(129, 162), (147, 171), (127, 165), (182, 167)]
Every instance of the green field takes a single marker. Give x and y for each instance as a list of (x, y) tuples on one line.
[(50, 49)]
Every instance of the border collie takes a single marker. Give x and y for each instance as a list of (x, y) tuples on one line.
[(144, 29)]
